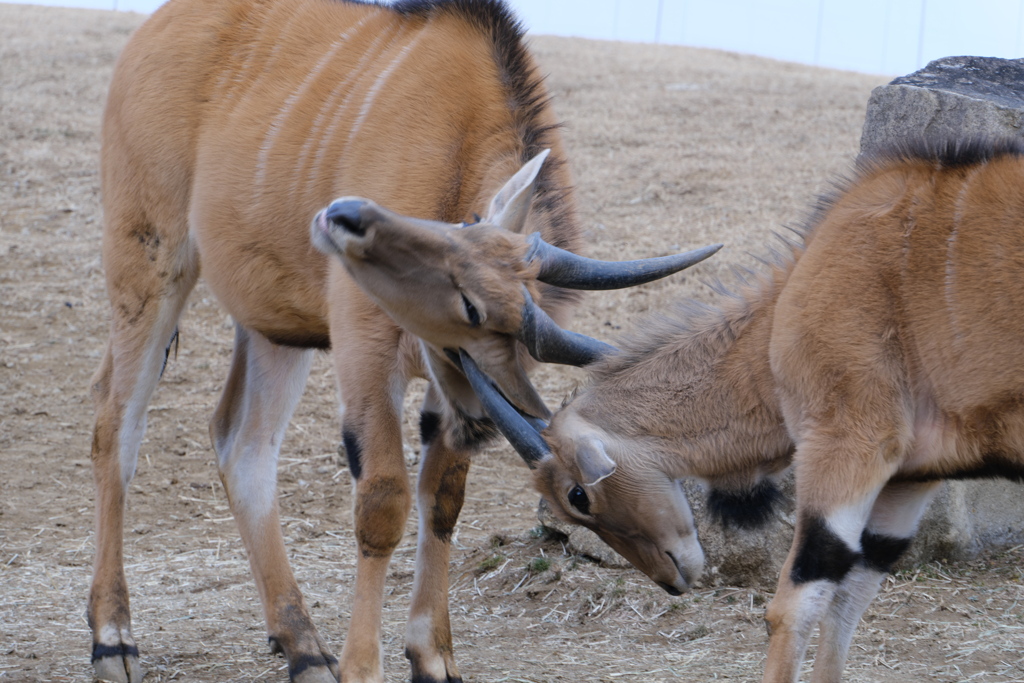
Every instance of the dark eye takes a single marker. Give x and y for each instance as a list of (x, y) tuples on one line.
[(578, 499), (471, 312)]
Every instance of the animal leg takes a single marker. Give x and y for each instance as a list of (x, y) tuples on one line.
[(837, 481), (149, 277), (372, 385), (889, 531), (441, 487), (264, 386)]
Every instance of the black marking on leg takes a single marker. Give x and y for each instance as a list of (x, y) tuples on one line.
[(353, 452), (101, 651), (167, 351), (275, 646), (430, 426), (880, 551), (750, 509), (303, 662), (821, 554), (471, 433)]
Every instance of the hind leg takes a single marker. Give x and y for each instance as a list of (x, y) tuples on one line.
[(890, 529), (149, 276), (264, 386)]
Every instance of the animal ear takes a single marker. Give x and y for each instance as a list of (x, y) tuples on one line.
[(511, 205), (593, 461)]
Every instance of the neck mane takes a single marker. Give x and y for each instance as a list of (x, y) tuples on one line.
[(695, 387)]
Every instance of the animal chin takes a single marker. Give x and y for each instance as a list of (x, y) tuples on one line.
[(671, 590), (682, 584)]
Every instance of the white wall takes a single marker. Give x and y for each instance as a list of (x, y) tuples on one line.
[(875, 36)]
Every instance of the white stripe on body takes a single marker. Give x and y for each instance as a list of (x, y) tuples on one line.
[(275, 126), (317, 135), (336, 121), (371, 94)]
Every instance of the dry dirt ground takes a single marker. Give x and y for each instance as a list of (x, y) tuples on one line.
[(671, 147)]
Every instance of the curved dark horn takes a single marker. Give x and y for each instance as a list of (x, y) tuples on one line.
[(522, 433), (549, 343), (572, 271)]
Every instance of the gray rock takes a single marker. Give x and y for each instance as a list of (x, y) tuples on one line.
[(961, 97)]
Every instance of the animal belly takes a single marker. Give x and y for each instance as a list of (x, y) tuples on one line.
[(268, 277)]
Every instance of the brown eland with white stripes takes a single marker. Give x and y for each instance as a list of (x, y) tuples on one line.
[(229, 124)]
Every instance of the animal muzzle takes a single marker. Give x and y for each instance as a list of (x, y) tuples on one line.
[(343, 228), (346, 215)]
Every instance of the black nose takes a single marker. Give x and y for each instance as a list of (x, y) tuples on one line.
[(347, 215)]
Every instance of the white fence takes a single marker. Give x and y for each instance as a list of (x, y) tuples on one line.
[(875, 36)]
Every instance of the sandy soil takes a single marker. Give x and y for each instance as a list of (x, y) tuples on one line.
[(672, 147)]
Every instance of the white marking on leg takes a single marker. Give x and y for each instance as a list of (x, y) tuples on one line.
[(275, 377), (841, 619), (848, 522), (811, 601), (898, 512), (133, 417), (109, 634)]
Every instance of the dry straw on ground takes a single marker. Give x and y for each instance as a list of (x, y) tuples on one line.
[(671, 147)]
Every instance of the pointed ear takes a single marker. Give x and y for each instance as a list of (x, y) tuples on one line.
[(511, 205), (593, 461)]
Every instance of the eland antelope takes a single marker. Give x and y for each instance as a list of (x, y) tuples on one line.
[(229, 123), (879, 355)]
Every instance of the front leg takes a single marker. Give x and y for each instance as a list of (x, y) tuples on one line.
[(441, 488), (891, 527), (372, 382), (837, 485)]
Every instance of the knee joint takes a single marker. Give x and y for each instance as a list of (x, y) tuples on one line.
[(382, 504)]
